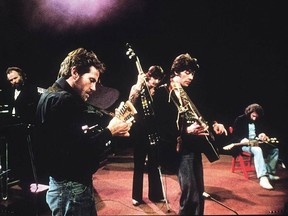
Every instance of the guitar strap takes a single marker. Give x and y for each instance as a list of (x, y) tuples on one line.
[(149, 115), (211, 153), (180, 116), (173, 96)]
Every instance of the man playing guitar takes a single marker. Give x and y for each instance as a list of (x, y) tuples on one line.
[(145, 137), (170, 107), (245, 128)]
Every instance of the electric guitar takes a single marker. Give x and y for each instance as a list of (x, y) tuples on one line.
[(190, 114), (126, 112), (254, 142), (126, 109), (145, 97)]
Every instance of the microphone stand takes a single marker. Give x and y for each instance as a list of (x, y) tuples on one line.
[(207, 196), (3, 172)]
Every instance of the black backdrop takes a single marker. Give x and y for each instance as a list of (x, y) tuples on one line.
[(241, 47)]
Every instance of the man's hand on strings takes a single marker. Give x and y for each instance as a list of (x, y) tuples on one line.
[(140, 81), (196, 129), (263, 137), (119, 127)]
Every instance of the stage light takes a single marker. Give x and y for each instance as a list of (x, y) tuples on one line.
[(62, 15)]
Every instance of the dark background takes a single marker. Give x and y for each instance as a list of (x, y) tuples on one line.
[(241, 47)]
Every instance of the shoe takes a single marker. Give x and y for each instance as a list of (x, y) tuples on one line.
[(274, 177), (158, 201), (264, 183), (136, 202)]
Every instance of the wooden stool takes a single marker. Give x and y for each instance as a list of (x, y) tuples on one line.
[(243, 162)]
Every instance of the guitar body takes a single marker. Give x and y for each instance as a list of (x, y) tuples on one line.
[(210, 151), (207, 142), (204, 144), (190, 115), (271, 142)]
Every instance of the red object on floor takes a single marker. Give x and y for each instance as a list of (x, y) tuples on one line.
[(243, 162)]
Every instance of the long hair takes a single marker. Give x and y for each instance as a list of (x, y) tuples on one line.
[(254, 108), (184, 62)]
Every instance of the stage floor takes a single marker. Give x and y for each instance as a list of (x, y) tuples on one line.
[(113, 183), (233, 194)]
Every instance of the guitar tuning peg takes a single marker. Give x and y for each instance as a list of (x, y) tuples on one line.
[(131, 56)]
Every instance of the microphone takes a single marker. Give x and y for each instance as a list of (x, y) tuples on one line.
[(208, 196), (163, 85)]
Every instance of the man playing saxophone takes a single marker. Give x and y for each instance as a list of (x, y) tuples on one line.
[(182, 128)]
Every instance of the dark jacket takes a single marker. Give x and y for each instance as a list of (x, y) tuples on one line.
[(167, 115), (144, 124), (63, 149), (25, 104)]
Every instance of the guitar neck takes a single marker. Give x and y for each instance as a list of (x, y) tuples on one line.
[(257, 142), (246, 144), (140, 71)]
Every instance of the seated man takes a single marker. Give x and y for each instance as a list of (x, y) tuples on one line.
[(246, 127)]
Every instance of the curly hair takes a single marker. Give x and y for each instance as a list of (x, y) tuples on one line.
[(82, 60), (254, 108), (184, 62)]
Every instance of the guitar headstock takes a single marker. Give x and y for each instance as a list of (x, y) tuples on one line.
[(130, 52), (126, 111), (273, 140)]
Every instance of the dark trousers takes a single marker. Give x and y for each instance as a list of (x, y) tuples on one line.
[(155, 193), (191, 182), (20, 158)]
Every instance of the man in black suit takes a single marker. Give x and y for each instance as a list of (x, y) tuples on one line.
[(22, 98)]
